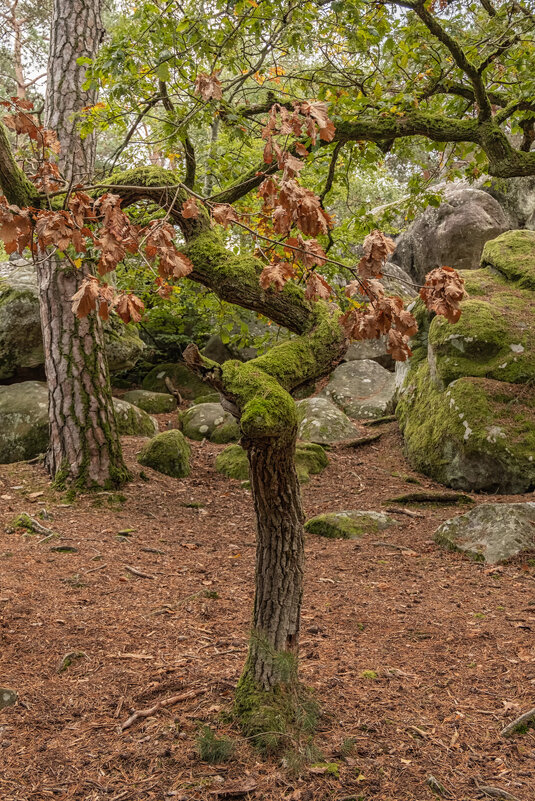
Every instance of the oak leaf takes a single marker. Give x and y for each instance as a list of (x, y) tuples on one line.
[(317, 287), (208, 86), (129, 308), (190, 210), (85, 300), (276, 273), (224, 214)]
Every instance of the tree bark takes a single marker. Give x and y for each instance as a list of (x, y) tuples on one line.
[(84, 442), (279, 561)]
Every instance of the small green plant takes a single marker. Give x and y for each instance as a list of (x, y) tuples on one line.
[(479, 615), (214, 749), (348, 746), (211, 594), (368, 674)]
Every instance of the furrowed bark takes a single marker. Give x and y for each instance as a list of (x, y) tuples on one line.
[(84, 442)]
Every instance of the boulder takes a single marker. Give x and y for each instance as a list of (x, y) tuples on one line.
[(361, 389), (322, 422), (7, 697), (167, 453), (181, 378), (133, 421), (209, 421), (452, 234), (374, 349), (309, 458), (21, 344), (349, 525), (492, 532), (216, 350), (466, 400), (24, 420), (151, 402), (516, 196)]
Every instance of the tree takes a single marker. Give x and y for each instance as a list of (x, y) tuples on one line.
[(163, 68), (84, 443)]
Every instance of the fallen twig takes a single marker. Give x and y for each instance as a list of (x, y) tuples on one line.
[(138, 572), (495, 792), (145, 713), (527, 719), (391, 418), (94, 569), (403, 512)]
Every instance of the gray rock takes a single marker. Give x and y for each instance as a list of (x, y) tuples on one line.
[(167, 453), (361, 389), (374, 349), (451, 235), (24, 420), (151, 402), (216, 350), (209, 421), (133, 421), (516, 196), (397, 281), (492, 532), (7, 697), (21, 344), (349, 525), (322, 422), (181, 378)]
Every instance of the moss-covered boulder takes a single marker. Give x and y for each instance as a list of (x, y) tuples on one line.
[(209, 421), (310, 458), (133, 421), (322, 422), (167, 453), (181, 377), (467, 403), (362, 389), (23, 421), (21, 342), (349, 525), (151, 402), (492, 532)]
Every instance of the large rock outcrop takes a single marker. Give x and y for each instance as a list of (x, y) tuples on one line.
[(467, 401), (21, 343), (451, 235)]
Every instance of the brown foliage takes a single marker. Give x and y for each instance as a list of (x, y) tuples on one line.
[(443, 292)]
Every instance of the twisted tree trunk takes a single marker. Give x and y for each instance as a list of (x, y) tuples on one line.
[(84, 442)]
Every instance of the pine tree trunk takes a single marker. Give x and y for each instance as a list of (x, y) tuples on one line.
[(274, 643), (84, 442)]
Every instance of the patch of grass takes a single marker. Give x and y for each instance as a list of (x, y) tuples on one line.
[(193, 505), (214, 749), (348, 746), (296, 760)]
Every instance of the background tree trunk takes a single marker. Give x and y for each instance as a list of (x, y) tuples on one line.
[(84, 442)]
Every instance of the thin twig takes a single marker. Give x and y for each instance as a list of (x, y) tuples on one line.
[(145, 713), (527, 719), (138, 572)]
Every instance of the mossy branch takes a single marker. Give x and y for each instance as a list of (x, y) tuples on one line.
[(15, 186)]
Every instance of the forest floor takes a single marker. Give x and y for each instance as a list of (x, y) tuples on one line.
[(418, 656)]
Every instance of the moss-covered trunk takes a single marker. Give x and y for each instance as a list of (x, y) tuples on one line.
[(84, 442), (274, 644)]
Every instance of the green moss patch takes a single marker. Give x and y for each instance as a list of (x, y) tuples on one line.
[(513, 254), (151, 402), (348, 525), (167, 453), (309, 459), (181, 378)]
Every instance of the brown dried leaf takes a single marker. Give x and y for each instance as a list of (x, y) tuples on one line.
[(129, 308), (190, 210), (208, 86), (277, 273), (85, 300), (224, 214), (317, 287), (377, 248), (443, 292)]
